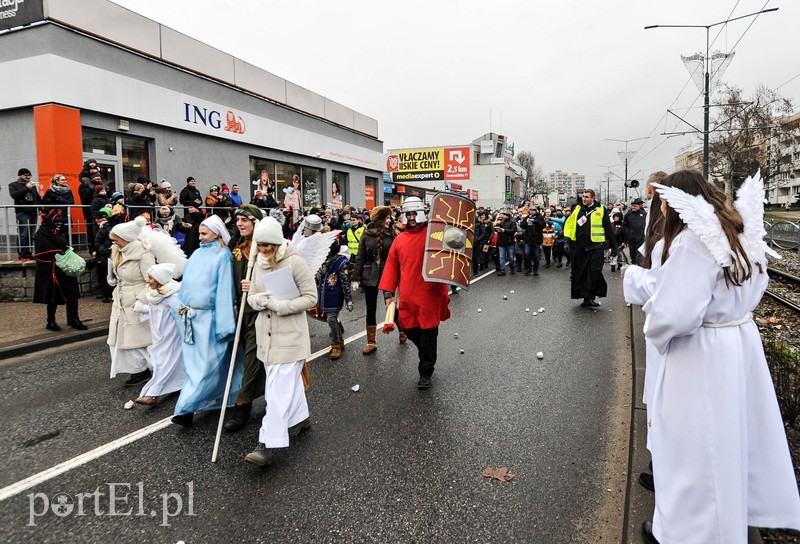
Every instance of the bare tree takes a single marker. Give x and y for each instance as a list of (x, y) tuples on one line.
[(535, 184), (742, 128)]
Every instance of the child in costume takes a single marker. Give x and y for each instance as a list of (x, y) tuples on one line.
[(333, 284), (158, 302)]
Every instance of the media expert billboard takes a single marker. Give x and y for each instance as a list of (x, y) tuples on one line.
[(429, 164)]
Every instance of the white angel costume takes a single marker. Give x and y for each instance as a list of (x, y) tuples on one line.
[(720, 457), (165, 351)]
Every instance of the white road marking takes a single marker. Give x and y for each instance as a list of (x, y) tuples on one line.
[(50, 473)]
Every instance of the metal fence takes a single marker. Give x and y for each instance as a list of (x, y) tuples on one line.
[(76, 229), (783, 234)]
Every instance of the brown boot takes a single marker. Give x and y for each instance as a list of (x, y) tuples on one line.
[(372, 344), (336, 351), (403, 338)]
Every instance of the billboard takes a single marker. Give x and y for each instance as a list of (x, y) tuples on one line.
[(429, 164), (20, 12)]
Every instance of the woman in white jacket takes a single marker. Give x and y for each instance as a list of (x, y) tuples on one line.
[(282, 338), (720, 457), (128, 334)]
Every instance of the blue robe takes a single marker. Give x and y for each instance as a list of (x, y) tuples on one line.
[(207, 324)]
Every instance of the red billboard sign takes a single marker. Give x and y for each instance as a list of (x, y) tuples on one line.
[(456, 163)]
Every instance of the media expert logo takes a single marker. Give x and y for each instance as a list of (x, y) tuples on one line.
[(117, 501), (213, 118)]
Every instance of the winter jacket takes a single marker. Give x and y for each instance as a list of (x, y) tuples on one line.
[(188, 197), (505, 237), (126, 330), (633, 226), (533, 225), (367, 256), (58, 199), (334, 284), (23, 196), (282, 334)]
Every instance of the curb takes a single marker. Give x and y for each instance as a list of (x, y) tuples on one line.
[(28, 346)]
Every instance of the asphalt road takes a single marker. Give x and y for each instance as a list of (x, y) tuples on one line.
[(386, 464)]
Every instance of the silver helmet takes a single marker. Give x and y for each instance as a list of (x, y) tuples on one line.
[(413, 204)]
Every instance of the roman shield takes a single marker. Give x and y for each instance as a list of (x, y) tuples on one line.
[(448, 247)]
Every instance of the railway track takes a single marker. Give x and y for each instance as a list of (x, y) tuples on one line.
[(784, 288)]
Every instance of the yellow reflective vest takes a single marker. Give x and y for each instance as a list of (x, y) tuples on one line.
[(597, 232), (353, 237)]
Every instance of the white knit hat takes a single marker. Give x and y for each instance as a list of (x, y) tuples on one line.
[(130, 230), (268, 231), (162, 273), (215, 225)]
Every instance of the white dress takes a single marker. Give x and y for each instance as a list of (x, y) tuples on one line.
[(165, 351), (720, 457)]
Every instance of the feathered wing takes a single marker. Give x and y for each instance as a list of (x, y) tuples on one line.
[(699, 216), (750, 205), (164, 248), (298, 234), (315, 248)]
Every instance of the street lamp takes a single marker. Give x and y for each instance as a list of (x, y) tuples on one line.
[(625, 157), (706, 105)]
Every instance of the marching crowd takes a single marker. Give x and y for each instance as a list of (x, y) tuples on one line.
[(233, 273)]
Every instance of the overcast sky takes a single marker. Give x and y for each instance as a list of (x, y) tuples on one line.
[(556, 77)]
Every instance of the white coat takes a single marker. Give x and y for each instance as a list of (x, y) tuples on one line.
[(720, 457)]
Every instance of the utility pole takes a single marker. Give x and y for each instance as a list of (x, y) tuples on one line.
[(707, 76), (625, 157)]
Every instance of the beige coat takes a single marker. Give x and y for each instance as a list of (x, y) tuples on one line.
[(282, 334), (126, 329)]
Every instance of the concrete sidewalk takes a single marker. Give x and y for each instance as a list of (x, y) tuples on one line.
[(22, 326)]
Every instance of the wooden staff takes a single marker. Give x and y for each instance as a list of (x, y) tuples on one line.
[(250, 262)]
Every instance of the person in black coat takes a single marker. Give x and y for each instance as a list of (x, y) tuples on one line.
[(191, 228), (52, 286), (102, 253), (25, 193), (533, 225), (58, 197)]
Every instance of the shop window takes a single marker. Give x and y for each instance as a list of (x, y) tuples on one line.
[(99, 143), (283, 179), (135, 162), (312, 181), (261, 171), (338, 194)]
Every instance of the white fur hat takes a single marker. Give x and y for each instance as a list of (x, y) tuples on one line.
[(130, 230), (162, 273), (268, 231)]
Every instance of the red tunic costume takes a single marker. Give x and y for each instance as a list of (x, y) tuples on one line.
[(420, 304)]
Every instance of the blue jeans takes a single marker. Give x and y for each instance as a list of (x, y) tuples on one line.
[(532, 249), (506, 252), (26, 224)]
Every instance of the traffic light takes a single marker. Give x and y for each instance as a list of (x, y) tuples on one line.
[(633, 184)]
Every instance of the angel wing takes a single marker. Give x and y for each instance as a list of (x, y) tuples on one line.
[(314, 249), (699, 216), (164, 248), (298, 234), (750, 205)]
